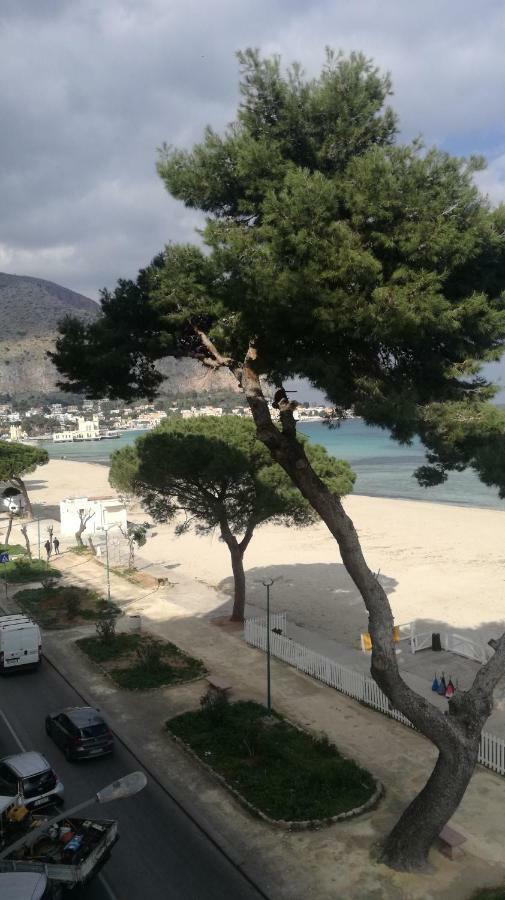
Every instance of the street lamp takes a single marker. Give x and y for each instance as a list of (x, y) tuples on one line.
[(268, 582), (114, 524), (124, 787)]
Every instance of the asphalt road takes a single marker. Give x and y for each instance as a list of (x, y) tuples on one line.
[(161, 853)]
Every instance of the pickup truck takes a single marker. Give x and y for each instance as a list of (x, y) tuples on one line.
[(69, 853)]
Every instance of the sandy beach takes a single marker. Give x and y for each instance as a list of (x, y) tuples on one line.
[(440, 564)]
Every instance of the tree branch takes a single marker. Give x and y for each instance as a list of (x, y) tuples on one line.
[(219, 361), (244, 543), (478, 700)]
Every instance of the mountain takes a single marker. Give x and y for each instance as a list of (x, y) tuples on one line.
[(30, 309)]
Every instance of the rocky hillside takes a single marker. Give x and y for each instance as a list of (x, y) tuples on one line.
[(30, 309)]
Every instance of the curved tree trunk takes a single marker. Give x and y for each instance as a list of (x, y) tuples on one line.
[(407, 846), (237, 550), (237, 564), (457, 734)]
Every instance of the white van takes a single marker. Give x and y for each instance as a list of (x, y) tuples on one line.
[(20, 642)]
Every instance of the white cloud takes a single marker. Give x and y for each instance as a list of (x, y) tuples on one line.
[(492, 180), (89, 91)]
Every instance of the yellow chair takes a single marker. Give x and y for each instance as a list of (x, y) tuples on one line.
[(366, 639)]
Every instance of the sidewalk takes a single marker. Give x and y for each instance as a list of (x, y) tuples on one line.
[(333, 862)]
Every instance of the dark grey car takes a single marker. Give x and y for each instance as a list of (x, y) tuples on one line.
[(81, 732)]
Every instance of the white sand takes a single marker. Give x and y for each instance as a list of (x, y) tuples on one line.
[(439, 563)]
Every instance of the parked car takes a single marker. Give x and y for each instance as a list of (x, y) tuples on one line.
[(20, 643), (30, 777), (81, 732)]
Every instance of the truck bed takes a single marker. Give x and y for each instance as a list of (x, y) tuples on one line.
[(48, 855)]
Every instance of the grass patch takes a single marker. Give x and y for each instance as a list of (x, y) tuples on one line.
[(101, 652), (13, 549), (83, 551), (23, 570), (284, 772), (60, 607), (138, 662)]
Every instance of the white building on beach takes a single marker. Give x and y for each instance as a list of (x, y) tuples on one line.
[(102, 511)]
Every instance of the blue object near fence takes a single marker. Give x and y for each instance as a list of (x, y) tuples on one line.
[(4, 557)]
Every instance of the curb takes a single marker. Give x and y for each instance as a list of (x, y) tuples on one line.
[(282, 824)]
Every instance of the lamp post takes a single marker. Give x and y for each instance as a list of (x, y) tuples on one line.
[(268, 582), (107, 563), (124, 787), (107, 556)]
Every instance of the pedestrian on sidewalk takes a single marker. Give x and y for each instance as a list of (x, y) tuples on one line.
[(56, 545), (47, 545)]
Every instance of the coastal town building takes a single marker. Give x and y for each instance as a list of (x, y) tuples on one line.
[(87, 430), (16, 433)]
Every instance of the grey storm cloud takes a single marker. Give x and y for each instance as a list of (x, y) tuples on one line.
[(89, 91)]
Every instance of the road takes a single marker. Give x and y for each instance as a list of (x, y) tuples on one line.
[(161, 854)]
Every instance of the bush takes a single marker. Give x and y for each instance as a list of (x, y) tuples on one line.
[(215, 705), (149, 653), (105, 627), (73, 604)]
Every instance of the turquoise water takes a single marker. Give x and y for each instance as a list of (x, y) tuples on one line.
[(386, 469), (383, 468), (89, 451)]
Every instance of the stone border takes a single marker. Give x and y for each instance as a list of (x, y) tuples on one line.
[(283, 824)]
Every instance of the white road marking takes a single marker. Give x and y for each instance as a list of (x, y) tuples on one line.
[(11, 729), (107, 888)]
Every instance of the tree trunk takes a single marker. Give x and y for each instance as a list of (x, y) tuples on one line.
[(78, 533), (457, 734), (407, 846), (237, 564), (9, 529), (22, 487), (24, 532)]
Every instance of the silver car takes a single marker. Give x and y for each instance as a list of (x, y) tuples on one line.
[(30, 777)]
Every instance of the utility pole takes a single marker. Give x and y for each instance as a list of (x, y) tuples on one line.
[(268, 582)]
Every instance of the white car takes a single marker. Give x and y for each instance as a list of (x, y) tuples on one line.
[(30, 777)]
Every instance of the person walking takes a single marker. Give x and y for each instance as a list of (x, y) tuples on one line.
[(47, 545), (56, 545)]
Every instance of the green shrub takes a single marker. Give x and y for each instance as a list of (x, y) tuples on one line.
[(73, 604), (215, 705)]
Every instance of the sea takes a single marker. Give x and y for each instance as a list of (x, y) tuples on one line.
[(383, 467)]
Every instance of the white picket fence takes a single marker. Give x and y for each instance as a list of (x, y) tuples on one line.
[(347, 681)]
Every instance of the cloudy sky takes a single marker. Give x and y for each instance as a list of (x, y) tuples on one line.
[(90, 88)]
